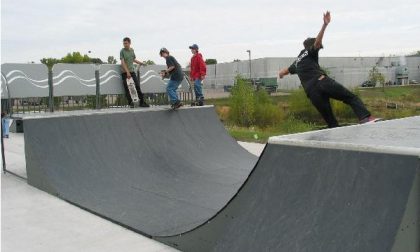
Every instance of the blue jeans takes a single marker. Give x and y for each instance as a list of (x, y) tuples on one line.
[(171, 90), (198, 89), (5, 125)]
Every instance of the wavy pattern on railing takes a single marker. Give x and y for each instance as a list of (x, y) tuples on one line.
[(22, 75), (14, 75), (30, 80), (142, 82), (61, 77), (148, 73)]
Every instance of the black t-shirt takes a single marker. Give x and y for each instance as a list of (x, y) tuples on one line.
[(306, 67), (176, 73)]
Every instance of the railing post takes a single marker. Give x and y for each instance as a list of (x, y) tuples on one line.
[(98, 87), (2, 149), (51, 90), (9, 100)]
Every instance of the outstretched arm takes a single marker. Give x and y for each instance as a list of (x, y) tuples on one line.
[(139, 62), (283, 72), (327, 20)]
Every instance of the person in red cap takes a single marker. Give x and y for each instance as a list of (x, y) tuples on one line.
[(197, 74)]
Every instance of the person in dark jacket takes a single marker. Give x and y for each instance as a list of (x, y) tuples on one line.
[(318, 86), (174, 70), (197, 74)]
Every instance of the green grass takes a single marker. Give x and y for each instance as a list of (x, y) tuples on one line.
[(225, 101), (407, 98), (255, 134), (218, 101), (397, 93)]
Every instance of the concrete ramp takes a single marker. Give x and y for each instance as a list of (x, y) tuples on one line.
[(180, 179)]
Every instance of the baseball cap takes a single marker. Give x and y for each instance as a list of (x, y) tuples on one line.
[(194, 46)]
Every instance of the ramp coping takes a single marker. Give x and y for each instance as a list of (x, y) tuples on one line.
[(308, 139), (104, 111)]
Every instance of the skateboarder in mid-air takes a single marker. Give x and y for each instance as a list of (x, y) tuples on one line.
[(128, 57), (174, 70), (318, 86), (197, 74)]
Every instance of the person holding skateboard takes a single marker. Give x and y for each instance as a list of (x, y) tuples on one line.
[(197, 74), (128, 57), (318, 86), (174, 71)]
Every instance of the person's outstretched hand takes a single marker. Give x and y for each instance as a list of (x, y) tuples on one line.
[(282, 73), (327, 18)]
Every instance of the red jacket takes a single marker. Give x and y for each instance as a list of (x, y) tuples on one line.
[(198, 67)]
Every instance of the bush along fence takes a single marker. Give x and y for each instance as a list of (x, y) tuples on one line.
[(27, 88)]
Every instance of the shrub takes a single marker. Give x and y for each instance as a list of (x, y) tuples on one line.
[(342, 110), (376, 77), (91, 101), (250, 108), (266, 113), (301, 107), (292, 125), (242, 103)]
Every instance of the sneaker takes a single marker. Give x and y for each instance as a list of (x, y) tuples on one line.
[(200, 103), (370, 119), (143, 104), (177, 105)]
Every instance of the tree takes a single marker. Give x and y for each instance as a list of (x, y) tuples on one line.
[(148, 62), (236, 60), (111, 60), (72, 58), (96, 61), (414, 54), (376, 77), (75, 57), (49, 62), (211, 61)]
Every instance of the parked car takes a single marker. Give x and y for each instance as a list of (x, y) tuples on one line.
[(368, 84), (227, 88), (413, 82)]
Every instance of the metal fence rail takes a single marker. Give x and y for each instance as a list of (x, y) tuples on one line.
[(33, 88)]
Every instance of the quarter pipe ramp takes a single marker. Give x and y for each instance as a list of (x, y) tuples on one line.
[(176, 176)]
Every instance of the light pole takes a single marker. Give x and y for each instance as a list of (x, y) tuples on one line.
[(249, 54)]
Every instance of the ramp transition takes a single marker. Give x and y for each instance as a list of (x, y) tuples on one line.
[(179, 178)]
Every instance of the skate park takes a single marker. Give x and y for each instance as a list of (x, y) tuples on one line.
[(244, 140), (185, 183)]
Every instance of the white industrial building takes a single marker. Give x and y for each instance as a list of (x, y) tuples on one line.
[(349, 71)]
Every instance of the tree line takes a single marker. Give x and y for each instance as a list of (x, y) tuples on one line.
[(78, 58)]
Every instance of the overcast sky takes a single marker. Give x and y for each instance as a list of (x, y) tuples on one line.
[(31, 30)]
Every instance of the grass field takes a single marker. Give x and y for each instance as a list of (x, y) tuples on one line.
[(389, 103)]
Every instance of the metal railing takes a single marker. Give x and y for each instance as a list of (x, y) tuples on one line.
[(46, 86)]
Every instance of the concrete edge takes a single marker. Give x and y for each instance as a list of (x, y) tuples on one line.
[(348, 146), (104, 111)]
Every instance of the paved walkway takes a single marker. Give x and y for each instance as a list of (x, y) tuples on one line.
[(32, 220)]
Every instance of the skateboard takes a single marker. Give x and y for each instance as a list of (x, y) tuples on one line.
[(190, 89), (133, 92), (164, 74), (177, 106)]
